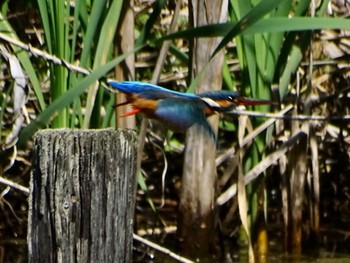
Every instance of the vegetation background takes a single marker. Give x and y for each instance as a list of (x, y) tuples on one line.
[(56, 55)]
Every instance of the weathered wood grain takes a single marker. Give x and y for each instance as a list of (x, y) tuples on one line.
[(196, 227), (82, 196)]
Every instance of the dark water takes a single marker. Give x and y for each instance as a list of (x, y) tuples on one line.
[(241, 257), (15, 250), (239, 254)]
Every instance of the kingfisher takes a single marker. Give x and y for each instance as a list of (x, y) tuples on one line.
[(177, 110)]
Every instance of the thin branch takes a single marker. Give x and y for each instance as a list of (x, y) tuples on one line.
[(165, 169), (161, 249), (264, 126), (157, 231), (2, 195), (289, 117), (14, 185), (43, 54), (165, 47), (231, 151), (259, 168)]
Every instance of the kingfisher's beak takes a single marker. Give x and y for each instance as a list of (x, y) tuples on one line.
[(251, 102), (122, 103)]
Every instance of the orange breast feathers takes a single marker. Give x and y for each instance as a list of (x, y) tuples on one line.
[(208, 111), (147, 106)]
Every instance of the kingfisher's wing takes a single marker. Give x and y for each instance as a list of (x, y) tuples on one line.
[(179, 114), (148, 91)]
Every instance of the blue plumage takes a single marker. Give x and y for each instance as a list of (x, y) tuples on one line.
[(178, 110), (219, 95), (148, 91), (179, 114)]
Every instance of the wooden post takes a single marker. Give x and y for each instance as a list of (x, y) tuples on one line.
[(82, 196), (196, 228)]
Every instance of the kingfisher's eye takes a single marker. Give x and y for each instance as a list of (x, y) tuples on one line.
[(230, 98)]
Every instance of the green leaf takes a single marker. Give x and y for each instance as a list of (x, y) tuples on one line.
[(46, 23), (266, 25), (255, 15), (291, 67), (103, 50), (213, 30), (282, 24), (92, 29)]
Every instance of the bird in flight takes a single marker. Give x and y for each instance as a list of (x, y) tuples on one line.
[(177, 110)]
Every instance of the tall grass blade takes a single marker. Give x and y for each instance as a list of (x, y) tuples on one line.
[(103, 50), (92, 29), (283, 24), (242, 196), (255, 15), (266, 25)]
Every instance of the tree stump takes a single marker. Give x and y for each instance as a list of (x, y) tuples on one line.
[(82, 196)]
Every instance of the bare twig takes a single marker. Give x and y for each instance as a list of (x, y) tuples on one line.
[(43, 54), (165, 169), (2, 195), (289, 117), (259, 168), (220, 159), (165, 47), (14, 185), (161, 249), (157, 231)]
